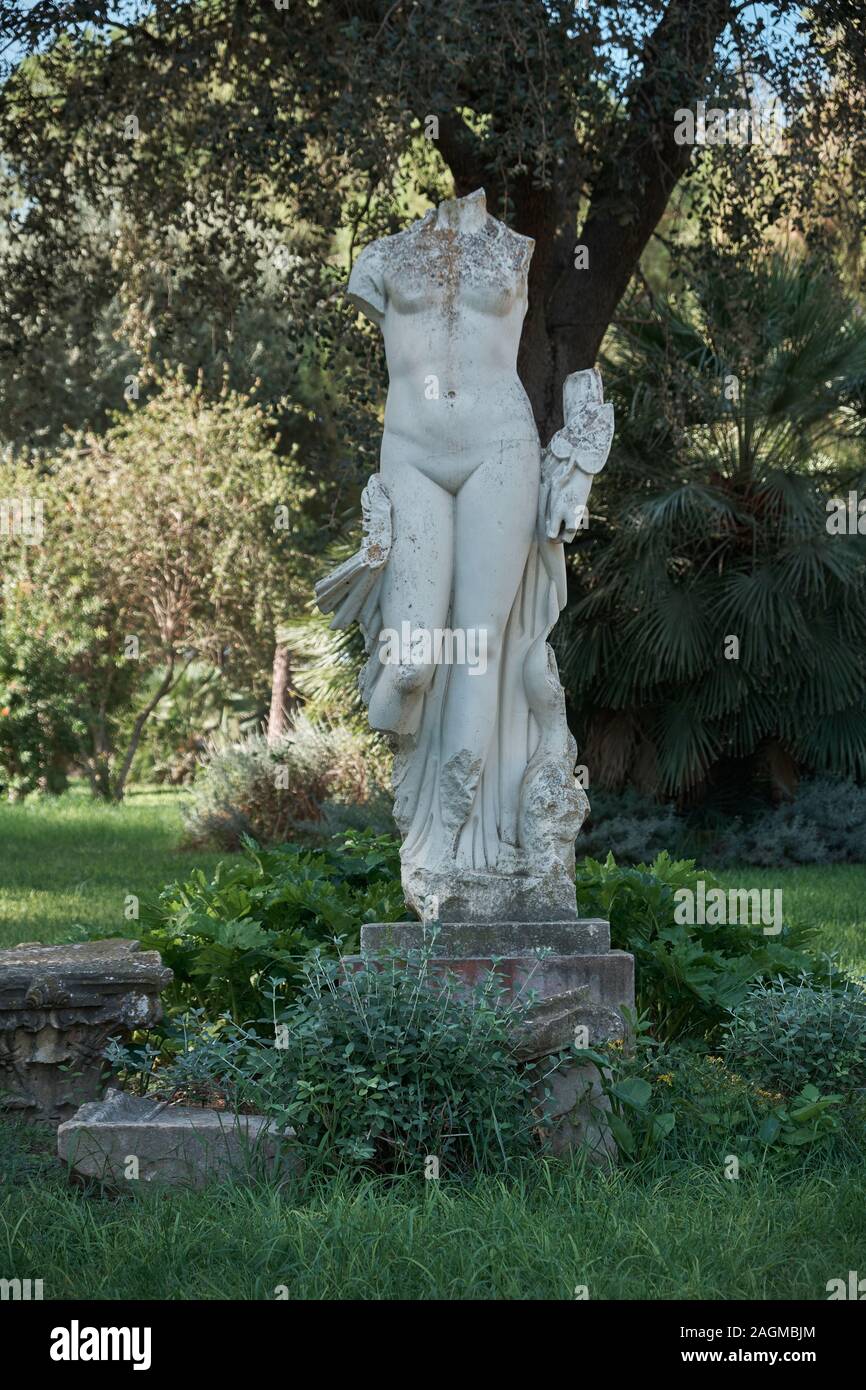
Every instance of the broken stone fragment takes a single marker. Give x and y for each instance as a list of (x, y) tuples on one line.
[(124, 1140), (59, 1005)]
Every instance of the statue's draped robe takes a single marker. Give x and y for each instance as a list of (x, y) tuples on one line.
[(530, 717)]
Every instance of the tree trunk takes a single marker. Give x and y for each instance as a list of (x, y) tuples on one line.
[(162, 690), (571, 306), (278, 716)]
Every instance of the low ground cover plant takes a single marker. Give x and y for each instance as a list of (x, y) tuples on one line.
[(679, 1102), (389, 1068), (226, 935), (795, 1033), (824, 822)]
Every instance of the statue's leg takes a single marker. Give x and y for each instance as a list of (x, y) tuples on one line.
[(416, 591), (494, 526)]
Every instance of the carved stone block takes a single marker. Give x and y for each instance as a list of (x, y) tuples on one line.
[(59, 1005), (126, 1139)]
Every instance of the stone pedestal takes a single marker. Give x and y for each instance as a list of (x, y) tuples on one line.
[(59, 1005), (577, 983)]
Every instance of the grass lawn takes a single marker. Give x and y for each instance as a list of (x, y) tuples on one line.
[(665, 1230), (687, 1233), (832, 898), (72, 859)]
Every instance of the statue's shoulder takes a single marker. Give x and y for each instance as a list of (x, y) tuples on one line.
[(518, 249), (366, 287), (367, 282)]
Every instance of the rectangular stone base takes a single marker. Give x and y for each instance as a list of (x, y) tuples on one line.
[(126, 1139), (567, 961), (586, 936)]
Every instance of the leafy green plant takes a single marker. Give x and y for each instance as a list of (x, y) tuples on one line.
[(738, 416), (688, 976), (673, 1101), (805, 1120), (793, 1033), (271, 791), (40, 722), (257, 918), (635, 1123), (383, 1067)]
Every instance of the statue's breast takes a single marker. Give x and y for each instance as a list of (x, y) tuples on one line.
[(429, 269)]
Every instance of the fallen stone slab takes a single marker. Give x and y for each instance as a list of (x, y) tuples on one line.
[(125, 1139), (59, 1005)]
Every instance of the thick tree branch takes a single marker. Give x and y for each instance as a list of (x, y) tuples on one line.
[(636, 183)]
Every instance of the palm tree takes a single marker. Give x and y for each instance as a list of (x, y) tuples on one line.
[(716, 632)]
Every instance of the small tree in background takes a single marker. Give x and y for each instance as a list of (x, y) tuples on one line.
[(40, 724), (174, 538)]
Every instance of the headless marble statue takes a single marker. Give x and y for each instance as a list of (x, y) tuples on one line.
[(463, 563)]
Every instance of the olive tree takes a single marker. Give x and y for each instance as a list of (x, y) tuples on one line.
[(219, 132)]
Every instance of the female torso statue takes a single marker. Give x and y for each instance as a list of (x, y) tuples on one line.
[(464, 528)]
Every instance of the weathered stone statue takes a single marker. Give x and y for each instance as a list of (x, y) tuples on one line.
[(462, 575), (457, 586)]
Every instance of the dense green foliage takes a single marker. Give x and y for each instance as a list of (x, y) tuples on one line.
[(176, 537), (634, 827), (201, 709), (40, 722), (224, 936), (824, 822), (717, 641), (792, 1033), (278, 140), (650, 1229), (674, 1101), (255, 919), (687, 976), (386, 1069)]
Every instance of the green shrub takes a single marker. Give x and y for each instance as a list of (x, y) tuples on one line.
[(225, 936), (825, 823), (40, 722), (384, 1069), (636, 828), (687, 977), (249, 788), (792, 1033), (674, 1102)]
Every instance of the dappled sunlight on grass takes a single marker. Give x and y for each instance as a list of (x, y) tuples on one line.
[(71, 859)]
